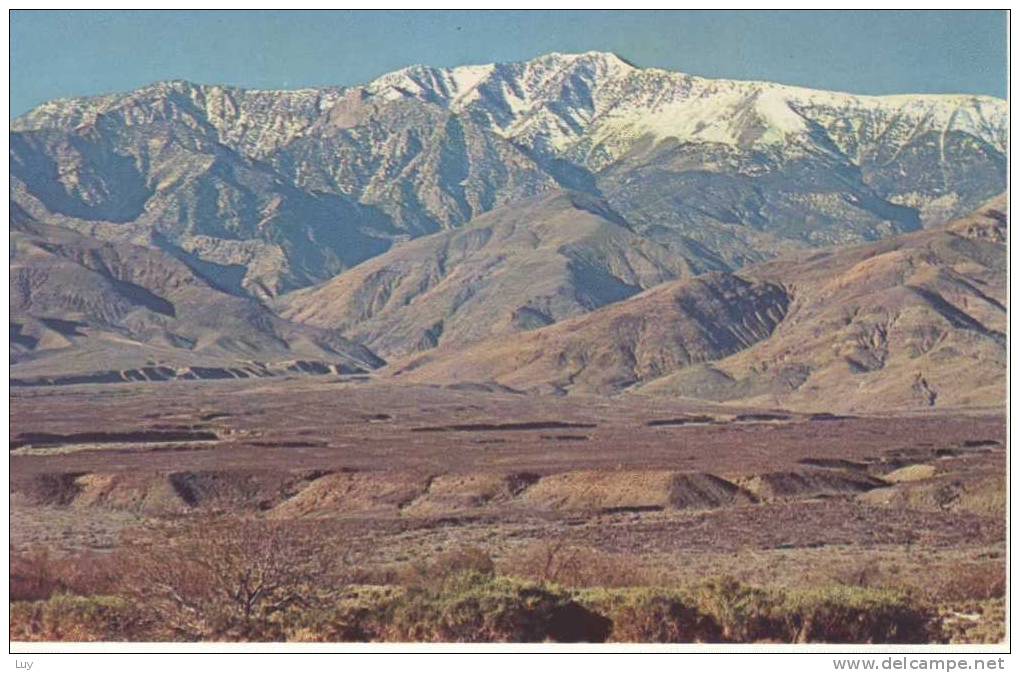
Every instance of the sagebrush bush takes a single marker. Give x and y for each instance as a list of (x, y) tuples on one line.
[(976, 581), (576, 566), (90, 573), (449, 564), (478, 607), (339, 623), (838, 614), (77, 619), (744, 614), (857, 615), (233, 580), (265, 580), (652, 616), (37, 574), (33, 575)]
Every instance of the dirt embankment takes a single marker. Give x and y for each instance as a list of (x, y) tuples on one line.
[(370, 493), (388, 494), (920, 478)]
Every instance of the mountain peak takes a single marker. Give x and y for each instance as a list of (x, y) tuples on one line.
[(592, 55), (553, 186)]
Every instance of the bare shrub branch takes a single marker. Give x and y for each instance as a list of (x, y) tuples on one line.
[(233, 580)]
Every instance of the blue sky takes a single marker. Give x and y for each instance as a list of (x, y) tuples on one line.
[(66, 53)]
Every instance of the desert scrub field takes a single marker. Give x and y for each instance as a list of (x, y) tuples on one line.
[(263, 580), (473, 607), (655, 527)]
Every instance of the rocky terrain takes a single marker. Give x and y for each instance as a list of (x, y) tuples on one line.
[(291, 187), (669, 327), (261, 446), (917, 320), (89, 310), (576, 222), (518, 267), (626, 494), (911, 322)]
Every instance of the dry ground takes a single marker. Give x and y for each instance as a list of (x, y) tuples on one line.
[(672, 490)]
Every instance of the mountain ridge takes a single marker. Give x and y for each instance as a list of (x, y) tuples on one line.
[(83, 308), (438, 208), (324, 91), (423, 149), (913, 321), (518, 266)]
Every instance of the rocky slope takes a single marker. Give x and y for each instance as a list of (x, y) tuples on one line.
[(193, 225), (108, 311), (279, 190), (914, 321), (743, 167), (515, 268), (668, 327)]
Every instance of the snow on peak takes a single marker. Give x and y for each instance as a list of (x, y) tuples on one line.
[(554, 100), (598, 103), (607, 59)]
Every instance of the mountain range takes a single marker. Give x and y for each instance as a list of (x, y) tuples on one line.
[(908, 322), (649, 231)]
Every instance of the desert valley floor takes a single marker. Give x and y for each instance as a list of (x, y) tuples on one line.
[(677, 489)]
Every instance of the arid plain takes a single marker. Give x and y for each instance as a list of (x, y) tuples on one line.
[(648, 490)]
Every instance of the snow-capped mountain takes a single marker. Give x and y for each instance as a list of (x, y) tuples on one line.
[(267, 191), (594, 106)]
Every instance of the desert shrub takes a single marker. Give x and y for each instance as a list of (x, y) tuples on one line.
[(37, 574), (451, 564), (839, 614), (90, 573), (327, 627), (855, 615), (33, 575), (946, 582), (360, 615), (76, 619), (233, 580), (743, 613), (381, 575), (575, 566), (339, 623), (652, 616), (866, 573), (476, 607), (958, 582)]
